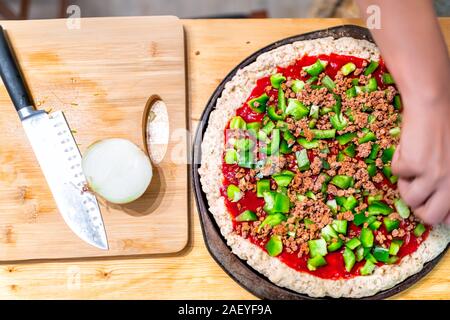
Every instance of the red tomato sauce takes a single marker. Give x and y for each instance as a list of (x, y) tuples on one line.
[(335, 268)]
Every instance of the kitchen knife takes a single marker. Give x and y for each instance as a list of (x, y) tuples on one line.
[(57, 153)]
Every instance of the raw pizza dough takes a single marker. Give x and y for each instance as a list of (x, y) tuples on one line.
[(235, 93)]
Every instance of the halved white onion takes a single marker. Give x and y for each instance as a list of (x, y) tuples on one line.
[(117, 170)]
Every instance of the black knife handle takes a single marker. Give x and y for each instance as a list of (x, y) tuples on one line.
[(11, 76)]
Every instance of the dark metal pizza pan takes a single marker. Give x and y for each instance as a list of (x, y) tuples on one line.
[(236, 268)]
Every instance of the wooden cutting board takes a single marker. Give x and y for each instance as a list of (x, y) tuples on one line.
[(101, 75)]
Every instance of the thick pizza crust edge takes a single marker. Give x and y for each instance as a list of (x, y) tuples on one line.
[(233, 96)]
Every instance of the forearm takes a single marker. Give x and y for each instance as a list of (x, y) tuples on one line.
[(412, 46)]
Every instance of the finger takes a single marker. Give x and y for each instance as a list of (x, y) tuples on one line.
[(435, 209), (417, 191), (401, 167), (447, 219)]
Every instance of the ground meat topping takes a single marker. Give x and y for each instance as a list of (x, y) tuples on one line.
[(342, 179)]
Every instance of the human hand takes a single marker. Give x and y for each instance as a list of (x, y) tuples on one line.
[(422, 160)]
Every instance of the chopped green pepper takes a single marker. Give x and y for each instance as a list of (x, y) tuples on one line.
[(370, 257), (314, 111), (372, 169), (283, 178), (387, 154), (346, 138), (371, 85), (276, 80), (366, 237), (316, 68), (328, 83), (372, 198), (324, 134), (340, 200), (254, 126), (275, 143), (351, 93), (394, 248), (309, 194), (349, 259), (349, 114), (284, 147), (268, 127), (375, 225), (231, 156), (419, 230), (274, 246), (348, 68), (338, 121), (276, 202), (340, 157), (258, 104), (243, 144), (282, 125), (238, 123), (387, 171), (272, 113), (397, 102), (332, 205), (308, 144), (368, 268), (350, 150), (390, 224), (359, 219), (369, 136), (246, 159), (247, 215), (342, 181), (402, 208), (387, 78), (272, 220), (374, 151), (281, 100), (312, 123), (234, 193), (360, 253), (395, 132), (296, 109), (340, 226), (371, 119), (336, 245), (379, 207), (315, 262), (349, 203), (317, 247), (353, 243), (289, 137), (325, 164), (262, 186), (328, 233), (373, 65), (312, 79), (302, 160), (297, 85), (381, 254)]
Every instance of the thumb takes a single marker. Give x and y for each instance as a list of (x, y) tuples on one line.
[(401, 166)]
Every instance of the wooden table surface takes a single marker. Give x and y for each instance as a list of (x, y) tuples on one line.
[(213, 47)]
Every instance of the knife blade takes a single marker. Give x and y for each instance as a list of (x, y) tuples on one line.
[(57, 154)]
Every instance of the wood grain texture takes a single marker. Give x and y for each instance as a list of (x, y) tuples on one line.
[(214, 47), (101, 76)]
